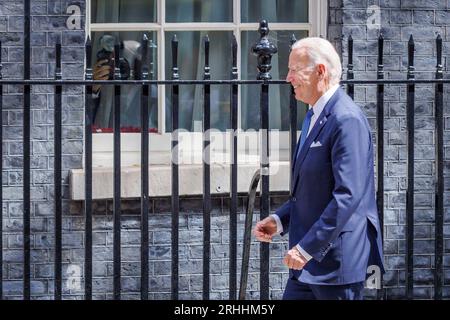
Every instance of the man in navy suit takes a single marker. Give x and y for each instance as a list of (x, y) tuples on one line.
[(331, 216)]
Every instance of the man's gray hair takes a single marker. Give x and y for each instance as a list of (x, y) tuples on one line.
[(321, 51)]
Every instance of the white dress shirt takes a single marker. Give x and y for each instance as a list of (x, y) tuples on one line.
[(317, 108)]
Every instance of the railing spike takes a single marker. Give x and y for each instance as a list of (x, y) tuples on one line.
[(350, 49), (292, 41), (380, 49), (234, 51), (117, 74), (350, 75), (206, 42), (411, 57), (439, 51), (175, 75), (144, 69)]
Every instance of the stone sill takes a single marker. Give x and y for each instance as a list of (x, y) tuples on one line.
[(190, 180)]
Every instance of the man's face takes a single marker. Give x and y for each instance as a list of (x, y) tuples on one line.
[(303, 76)]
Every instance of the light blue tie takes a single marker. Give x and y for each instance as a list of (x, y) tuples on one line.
[(305, 129)]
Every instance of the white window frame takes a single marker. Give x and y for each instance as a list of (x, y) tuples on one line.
[(160, 142)]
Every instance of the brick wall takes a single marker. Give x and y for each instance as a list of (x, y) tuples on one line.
[(190, 253), (399, 19), (48, 25), (190, 249)]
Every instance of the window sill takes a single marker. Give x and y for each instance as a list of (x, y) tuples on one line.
[(190, 180)]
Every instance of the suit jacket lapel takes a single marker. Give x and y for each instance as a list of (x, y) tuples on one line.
[(318, 126), (320, 123), (294, 156)]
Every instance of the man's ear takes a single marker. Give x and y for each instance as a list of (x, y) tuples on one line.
[(321, 69)]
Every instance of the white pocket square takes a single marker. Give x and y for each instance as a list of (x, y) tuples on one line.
[(315, 144)]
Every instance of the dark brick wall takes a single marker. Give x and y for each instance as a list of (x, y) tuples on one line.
[(48, 25), (400, 18), (190, 249)]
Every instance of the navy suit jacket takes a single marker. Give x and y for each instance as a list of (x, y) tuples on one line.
[(332, 212)]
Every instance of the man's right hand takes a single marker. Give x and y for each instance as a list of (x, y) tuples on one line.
[(265, 229), (101, 72)]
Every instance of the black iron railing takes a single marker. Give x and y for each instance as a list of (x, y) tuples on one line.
[(264, 51)]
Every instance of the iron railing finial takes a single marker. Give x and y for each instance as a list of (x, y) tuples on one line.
[(264, 49)]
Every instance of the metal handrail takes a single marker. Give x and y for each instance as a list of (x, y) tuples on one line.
[(247, 233)]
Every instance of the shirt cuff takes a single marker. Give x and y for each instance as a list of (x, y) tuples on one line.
[(278, 221), (304, 253)]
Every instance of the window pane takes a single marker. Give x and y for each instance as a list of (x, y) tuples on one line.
[(199, 11), (130, 65), (278, 94), (131, 11), (274, 10), (191, 65)]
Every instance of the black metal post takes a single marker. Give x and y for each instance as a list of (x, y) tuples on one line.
[(1, 178), (88, 118), (175, 170), (264, 49), (350, 75), (26, 153), (117, 182), (206, 175), (145, 104), (410, 171), (58, 176), (234, 175), (380, 146), (439, 198), (292, 127)]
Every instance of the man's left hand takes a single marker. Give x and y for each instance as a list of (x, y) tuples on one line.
[(294, 259)]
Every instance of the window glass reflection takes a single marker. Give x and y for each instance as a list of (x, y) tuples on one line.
[(131, 62), (191, 61)]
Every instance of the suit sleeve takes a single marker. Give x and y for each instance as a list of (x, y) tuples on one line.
[(284, 214), (349, 156)]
